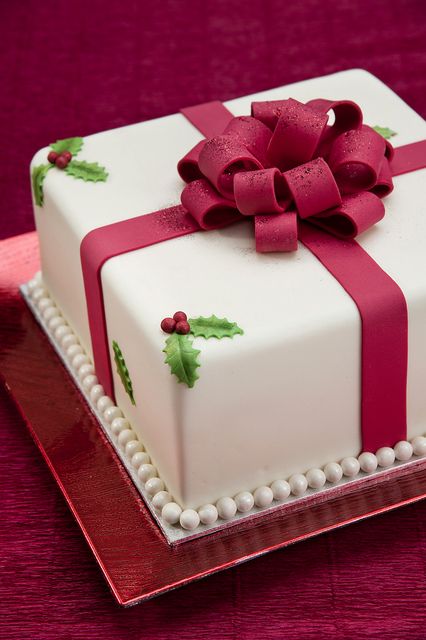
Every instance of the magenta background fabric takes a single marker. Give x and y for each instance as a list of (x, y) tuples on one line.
[(75, 67)]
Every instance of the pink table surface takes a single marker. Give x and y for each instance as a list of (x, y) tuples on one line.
[(75, 67)]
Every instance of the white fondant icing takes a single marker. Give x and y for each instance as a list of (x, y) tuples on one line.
[(245, 500), (290, 332)]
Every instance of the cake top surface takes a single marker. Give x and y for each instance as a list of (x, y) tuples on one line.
[(220, 272)]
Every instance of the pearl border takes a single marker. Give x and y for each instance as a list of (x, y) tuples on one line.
[(137, 461)]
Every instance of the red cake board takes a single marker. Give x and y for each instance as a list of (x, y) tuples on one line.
[(131, 551)]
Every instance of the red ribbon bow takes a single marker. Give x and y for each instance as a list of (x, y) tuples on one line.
[(286, 162)]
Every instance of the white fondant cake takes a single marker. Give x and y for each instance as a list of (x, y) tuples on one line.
[(282, 398)]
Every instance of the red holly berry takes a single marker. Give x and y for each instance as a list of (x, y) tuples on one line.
[(182, 327), (61, 161), (52, 157), (67, 155), (180, 316), (168, 325)]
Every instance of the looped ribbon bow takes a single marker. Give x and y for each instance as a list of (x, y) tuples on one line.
[(284, 163)]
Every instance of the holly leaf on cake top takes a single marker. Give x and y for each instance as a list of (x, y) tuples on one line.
[(37, 177), (182, 358), (73, 145), (214, 327), (87, 171), (122, 371), (384, 131)]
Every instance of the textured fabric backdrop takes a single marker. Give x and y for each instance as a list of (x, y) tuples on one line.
[(79, 66)]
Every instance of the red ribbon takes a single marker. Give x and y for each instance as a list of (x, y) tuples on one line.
[(380, 301), (284, 163)]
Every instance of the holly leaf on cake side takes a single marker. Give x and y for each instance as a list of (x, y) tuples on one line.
[(74, 145), (182, 358), (37, 178), (214, 327), (384, 131), (122, 371), (87, 171)]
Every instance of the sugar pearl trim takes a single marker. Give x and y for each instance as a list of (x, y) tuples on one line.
[(226, 507)]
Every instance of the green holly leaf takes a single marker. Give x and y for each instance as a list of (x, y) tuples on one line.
[(37, 177), (182, 358), (87, 171), (73, 145), (213, 327), (384, 131), (122, 371)]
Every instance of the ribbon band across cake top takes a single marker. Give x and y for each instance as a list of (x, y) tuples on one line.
[(271, 166)]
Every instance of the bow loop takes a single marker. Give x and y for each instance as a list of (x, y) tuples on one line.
[(285, 162), (260, 192)]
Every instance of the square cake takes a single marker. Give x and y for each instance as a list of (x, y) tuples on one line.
[(268, 403)]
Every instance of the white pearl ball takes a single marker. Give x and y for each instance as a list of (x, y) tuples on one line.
[(85, 370), (368, 461), (350, 467), (385, 456), (316, 478), (171, 512), (79, 360), (133, 447), (103, 403), (119, 424), (298, 484), (111, 413), (333, 472), (280, 489), (56, 322), (125, 436), (32, 285), (189, 519), (38, 293), (419, 445), (153, 486), (147, 471), (160, 499), (74, 350), (89, 382), (96, 392), (44, 303), (68, 340), (226, 508), (263, 496), (244, 501), (403, 450), (50, 312), (140, 458), (208, 513), (62, 331)]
